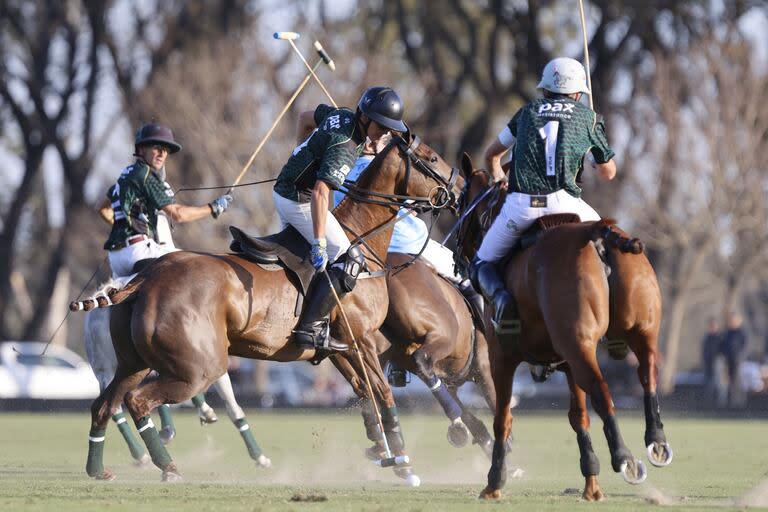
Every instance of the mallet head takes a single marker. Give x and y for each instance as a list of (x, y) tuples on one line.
[(400, 460), (286, 35), (324, 55)]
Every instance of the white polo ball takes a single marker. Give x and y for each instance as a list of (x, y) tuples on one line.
[(413, 480)]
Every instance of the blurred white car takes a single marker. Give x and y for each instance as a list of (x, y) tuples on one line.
[(60, 373)]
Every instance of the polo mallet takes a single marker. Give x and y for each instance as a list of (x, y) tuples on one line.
[(290, 37), (324, 57), (586, 52), (586, 68), (390, 460)]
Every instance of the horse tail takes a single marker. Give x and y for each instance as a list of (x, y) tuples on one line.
[(614, 237), (108, 297)]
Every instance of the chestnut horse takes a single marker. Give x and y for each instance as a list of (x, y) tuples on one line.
[(567, 303), (184, 313), (430, 332)]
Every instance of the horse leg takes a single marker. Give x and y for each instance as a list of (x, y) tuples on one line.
[(223, 387), (587, 375), (140, 403), (481, 375), (348, 365), (424, 359), (503, 372), (167, 428), (139, 454), (102, 408), (579, 419), (645, 348), (205, 412)]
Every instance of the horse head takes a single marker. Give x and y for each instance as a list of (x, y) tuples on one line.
[(407, 172), (479, 203)]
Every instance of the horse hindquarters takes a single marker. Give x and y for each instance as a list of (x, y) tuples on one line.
[(636, 319)]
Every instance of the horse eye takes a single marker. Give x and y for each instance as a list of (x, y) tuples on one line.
[(433, 159)]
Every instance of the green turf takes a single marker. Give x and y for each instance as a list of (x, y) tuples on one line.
[(42, 461)]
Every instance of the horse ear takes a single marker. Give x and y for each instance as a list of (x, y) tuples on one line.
[(466, 165)]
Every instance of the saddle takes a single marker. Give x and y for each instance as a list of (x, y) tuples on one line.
[(286, 249)]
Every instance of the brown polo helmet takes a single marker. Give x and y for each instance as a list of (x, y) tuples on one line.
[(156, 133)]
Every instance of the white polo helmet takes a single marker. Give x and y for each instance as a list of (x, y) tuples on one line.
[(564, 76)]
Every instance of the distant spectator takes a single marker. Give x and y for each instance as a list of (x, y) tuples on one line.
[(734, 348), (710, 350)]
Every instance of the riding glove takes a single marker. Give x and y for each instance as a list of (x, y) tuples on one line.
[(220, 205), (318, 256)]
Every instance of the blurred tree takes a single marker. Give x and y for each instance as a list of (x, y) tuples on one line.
[(480, 60), (699, 184), (52, 68)]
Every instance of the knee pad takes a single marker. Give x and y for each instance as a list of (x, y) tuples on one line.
[(344, 273)]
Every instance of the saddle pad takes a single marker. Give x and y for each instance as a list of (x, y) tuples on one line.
[(286, 248)]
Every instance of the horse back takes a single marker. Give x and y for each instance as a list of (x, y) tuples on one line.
[(560, 284)]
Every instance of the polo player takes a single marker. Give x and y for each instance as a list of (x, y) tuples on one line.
[(334, 139), (551, 137), (134, 201)]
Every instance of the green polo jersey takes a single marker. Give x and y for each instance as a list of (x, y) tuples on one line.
[(328, 154), (552, 136), (135, 198)]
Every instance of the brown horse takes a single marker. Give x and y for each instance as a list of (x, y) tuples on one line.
[(430, 332), (183, 314), (567, 303)]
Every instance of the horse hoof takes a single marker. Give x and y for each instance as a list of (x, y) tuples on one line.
[(171, 477), (633, 471), (660, 454), (490, 494), (403, 471), (596, 495), (592, 491), (167, 434), (143, 461), (106, 476), (171, 473), (262, 461), (458, 433), (207, 417), (375, 452)]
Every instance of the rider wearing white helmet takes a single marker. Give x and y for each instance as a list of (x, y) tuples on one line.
[(552, 137)]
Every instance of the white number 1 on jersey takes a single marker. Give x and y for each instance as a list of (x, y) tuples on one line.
[(548, 132)]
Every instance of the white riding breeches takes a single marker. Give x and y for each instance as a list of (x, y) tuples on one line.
[(299, 215), (441, 259), (517, 215), (123, 260)]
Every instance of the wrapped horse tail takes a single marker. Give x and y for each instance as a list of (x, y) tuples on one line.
[(616, 238), (108, 296)]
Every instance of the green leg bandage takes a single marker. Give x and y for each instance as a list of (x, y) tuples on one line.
[(165, 416), (137, 451), (198, 400), (95, 464), (254, 450), (157, 451)]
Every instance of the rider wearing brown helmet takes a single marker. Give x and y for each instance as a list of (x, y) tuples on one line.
[(133, 203), (302, 194)]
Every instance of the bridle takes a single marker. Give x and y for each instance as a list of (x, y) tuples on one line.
[(442, 196), (491, 193), (439, 198)]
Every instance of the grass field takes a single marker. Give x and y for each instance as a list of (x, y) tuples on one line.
[(718, 465)]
